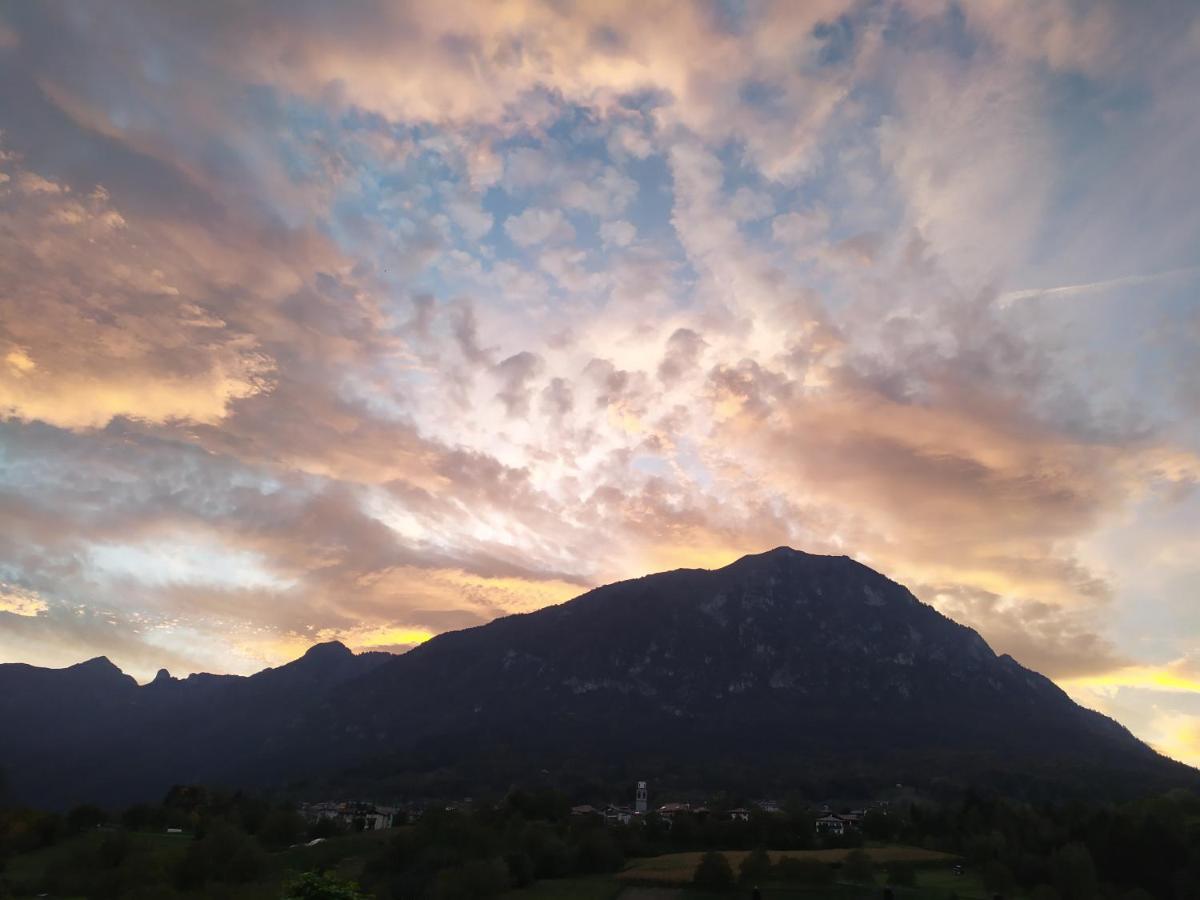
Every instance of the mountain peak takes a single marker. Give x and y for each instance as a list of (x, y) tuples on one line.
[(328, 650), (163, 677), (784, 552), (781, 552), (97, 664), (100, 670), (792, 560)]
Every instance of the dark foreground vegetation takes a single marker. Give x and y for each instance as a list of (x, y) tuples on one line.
[(202, 843)]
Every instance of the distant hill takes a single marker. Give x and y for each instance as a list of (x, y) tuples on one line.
[(781, 670)]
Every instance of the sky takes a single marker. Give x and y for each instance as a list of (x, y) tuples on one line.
[(369, 321)]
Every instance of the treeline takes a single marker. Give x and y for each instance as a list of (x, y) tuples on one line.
[(223, 839), (481, 852), (1144, 849)]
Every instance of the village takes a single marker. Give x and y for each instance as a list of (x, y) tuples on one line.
[(829, 819)]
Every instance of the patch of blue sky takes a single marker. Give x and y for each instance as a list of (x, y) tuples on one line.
[(580, 130), (1099, 131), (731, 16), (906, 29), (837, 41), (651, 210)]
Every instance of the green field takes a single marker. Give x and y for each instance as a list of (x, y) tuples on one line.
[(678, 868), (668, 877)]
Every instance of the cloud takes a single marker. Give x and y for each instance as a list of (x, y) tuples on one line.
[(19, 601), (104, 319), (1178, 677), (539, 226), (753, 285), (1073, 290), (620, 233), (1177, 735)]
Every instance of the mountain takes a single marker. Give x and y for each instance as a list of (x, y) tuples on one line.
[(782, 669), (90, 733)]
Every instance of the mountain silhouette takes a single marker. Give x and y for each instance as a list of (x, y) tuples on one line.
[(783, 669)]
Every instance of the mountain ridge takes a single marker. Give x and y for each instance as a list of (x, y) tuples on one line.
[(780, 664)]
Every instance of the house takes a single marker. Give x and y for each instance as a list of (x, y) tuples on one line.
[(670, 810), (355, 815), (585, 810), (618, 815), (853, 819), (831, 824), (739, 815)]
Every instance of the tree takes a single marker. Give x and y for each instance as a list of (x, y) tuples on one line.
[(322, 886), (997, 878), (85, 818), (1074, 872), (878, 825), (857, 867), (755, 867), (714, 872), (281, 828)]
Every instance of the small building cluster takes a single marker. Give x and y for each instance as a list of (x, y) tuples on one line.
[(624, 815), (358, 815), (355, 815), (840, 823)]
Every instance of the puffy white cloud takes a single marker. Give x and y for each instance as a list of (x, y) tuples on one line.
[(539, 226), (619, 232)]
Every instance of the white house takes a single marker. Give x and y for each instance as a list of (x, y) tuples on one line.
[(831, 824)]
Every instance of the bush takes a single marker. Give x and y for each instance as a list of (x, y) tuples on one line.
[(280, 828), (477, 878), (714, 872), (224, 854), (598, 852), (321, 886), (857, 867), (520, 869), (756, 866), (803, 871)]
